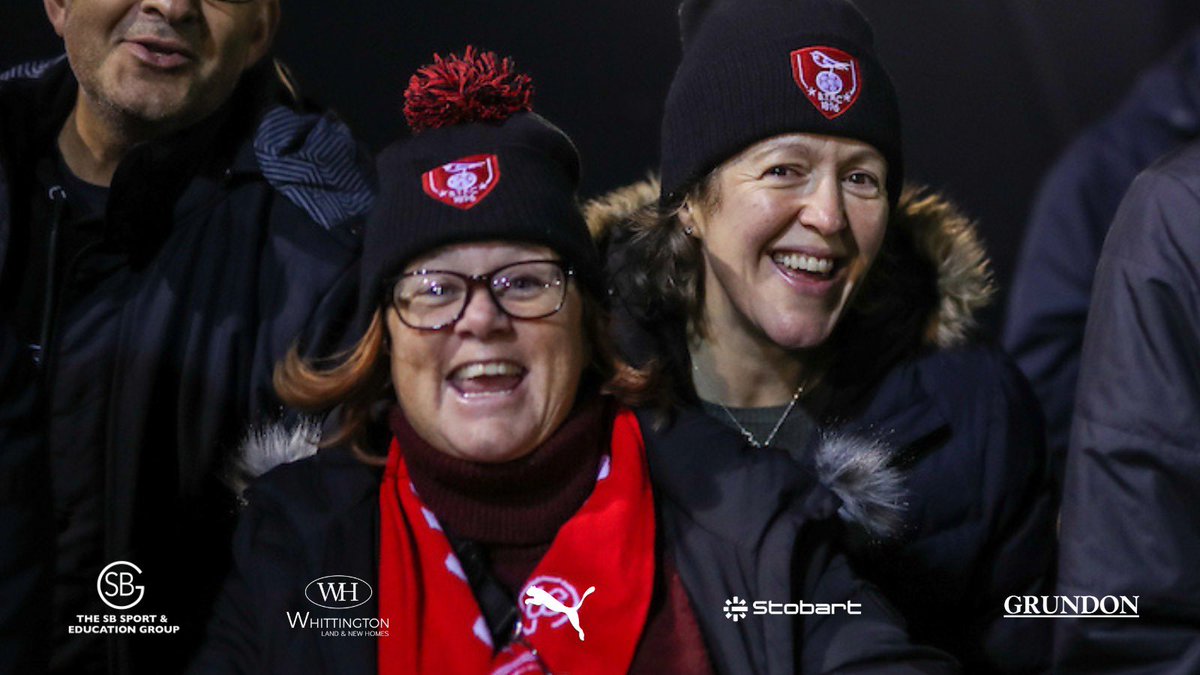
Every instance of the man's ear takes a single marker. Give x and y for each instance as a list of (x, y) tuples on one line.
[(265, 25), (56, 11)]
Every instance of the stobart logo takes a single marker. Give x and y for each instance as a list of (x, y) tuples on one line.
[(736, 608)]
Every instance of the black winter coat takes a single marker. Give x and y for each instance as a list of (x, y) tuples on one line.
[(958, 418), (736, 523), (25, 524), (1131, 502), (236, 238)]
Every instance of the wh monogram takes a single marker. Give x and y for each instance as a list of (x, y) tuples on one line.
[(339, 591)]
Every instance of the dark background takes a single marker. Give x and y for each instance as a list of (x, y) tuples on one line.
[(991, 90)]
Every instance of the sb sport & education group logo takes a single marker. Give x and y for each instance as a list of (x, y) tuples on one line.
[(118, 588), (115, 585)]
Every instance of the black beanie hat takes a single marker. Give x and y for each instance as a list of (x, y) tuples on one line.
[(753, 69), (480, 167)]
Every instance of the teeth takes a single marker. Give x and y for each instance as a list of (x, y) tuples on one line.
[(490, 368), (804, 263)]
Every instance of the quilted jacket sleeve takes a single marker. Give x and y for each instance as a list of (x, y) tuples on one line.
[(1130, 516)]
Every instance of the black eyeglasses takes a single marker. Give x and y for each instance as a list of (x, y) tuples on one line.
[(436, 299)]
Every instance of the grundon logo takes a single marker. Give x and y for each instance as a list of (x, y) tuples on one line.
[(338, 591)]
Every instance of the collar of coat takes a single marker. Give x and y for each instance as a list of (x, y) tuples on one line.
[(266, 131), (854, 469)]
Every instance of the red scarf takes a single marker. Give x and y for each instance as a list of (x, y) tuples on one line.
[(608, 545)]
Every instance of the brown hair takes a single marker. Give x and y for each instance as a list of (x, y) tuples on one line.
[(670, 267), (358, 379)]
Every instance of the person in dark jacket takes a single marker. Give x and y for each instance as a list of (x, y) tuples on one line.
[(518, 516), (176, 217), (1048, 303), (798, 297), (1129, 514), (26, 528)]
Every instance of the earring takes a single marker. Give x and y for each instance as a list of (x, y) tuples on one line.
[(688, 230)]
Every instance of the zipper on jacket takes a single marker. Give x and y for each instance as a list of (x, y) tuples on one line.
[(58, 202)]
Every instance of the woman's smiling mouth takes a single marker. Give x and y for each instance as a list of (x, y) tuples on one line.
[(822, 267), (486, 378)]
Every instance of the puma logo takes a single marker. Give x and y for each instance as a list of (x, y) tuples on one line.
[(539, 597)]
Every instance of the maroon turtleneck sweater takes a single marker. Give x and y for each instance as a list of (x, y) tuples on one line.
[(514, 509)]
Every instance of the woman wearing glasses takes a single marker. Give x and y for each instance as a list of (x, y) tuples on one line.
[(515, 515)]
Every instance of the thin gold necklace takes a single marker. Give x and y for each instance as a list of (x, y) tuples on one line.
[(779, 424)]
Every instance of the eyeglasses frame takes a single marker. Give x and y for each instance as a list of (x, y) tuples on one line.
[(484, 280)]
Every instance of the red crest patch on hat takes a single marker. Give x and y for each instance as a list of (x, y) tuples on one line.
[(829, 77), (464, 182)]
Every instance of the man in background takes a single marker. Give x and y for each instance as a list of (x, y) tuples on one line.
[(176, 214)]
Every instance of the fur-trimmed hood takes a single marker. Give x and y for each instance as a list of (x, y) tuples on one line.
[(264, 448), (931, 277), (856, 470)]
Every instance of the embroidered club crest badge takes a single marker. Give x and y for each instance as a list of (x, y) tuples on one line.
[(829, 77), (464, 182)]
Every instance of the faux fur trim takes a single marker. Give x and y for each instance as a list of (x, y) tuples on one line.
[(943, 241), (854, 468), (264, 448), (611, 211), (858, 471), (946, 237)]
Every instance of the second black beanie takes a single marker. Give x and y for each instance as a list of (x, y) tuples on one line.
[(753, 69)]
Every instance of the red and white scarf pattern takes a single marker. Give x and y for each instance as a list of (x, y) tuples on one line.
[(583, 609)]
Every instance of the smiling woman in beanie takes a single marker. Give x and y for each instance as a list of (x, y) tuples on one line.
[(513, 515), (792, 289)]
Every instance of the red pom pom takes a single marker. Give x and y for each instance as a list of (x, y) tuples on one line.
[(476, 87)]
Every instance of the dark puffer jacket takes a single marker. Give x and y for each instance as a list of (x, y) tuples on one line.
[(735, 522), (956, 416)]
